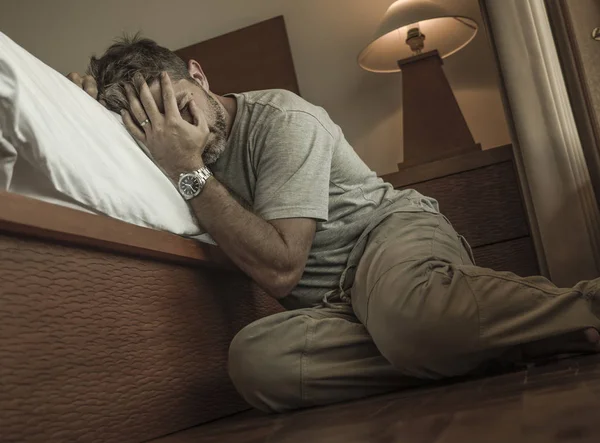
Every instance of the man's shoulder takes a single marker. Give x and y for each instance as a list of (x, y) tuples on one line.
[(276, 106), (279, 101)]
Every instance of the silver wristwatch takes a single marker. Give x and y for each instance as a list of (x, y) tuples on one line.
[(191, 184)]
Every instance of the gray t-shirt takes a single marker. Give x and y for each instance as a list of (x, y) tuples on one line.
[(285, 158)]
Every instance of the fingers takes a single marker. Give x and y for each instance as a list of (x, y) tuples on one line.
[(194, 112), (75, 78), (87, 83), (90, 86), (132, 127), (168, 95), (135, 106), (148, 102)]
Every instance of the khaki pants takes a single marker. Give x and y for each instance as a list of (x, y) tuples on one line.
[(420, 311)]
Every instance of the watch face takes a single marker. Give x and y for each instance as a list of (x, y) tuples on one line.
[(189, 185)]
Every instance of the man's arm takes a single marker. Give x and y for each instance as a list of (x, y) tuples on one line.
[(272, 253)]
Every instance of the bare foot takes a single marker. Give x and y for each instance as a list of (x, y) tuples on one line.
[(566, 344)]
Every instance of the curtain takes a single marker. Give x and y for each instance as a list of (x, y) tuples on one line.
[(560, 200)]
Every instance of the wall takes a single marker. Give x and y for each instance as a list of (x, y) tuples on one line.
[(325, 35)]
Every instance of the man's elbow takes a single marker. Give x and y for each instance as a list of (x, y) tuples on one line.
[(281, 283)]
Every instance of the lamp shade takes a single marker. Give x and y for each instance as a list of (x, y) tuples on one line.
[(443, 31)]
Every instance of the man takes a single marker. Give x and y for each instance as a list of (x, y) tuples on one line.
[(382, 292)]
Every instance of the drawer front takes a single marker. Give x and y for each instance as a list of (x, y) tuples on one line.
[(516, 256), (483, 204)]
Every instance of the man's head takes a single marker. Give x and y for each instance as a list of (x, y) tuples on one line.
[(131, 57)]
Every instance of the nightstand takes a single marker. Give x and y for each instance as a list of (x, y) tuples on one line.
[(480, 194)]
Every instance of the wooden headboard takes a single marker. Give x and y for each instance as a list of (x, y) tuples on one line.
[(249, 59)]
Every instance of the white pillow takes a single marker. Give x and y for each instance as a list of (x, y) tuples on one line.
[(81, 149)]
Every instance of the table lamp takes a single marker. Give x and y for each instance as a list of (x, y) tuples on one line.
[(413, 37)]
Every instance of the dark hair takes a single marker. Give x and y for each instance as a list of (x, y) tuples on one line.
[(125, 58)]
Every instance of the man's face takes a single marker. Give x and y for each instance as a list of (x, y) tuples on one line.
[(210, 109)]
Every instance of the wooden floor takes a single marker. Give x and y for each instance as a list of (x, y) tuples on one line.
[(557, 402)]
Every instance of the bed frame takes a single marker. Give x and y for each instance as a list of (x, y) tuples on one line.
[(117, 333), (112, 332)]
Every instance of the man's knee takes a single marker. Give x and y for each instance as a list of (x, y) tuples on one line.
[(426, 334), (265, 369)]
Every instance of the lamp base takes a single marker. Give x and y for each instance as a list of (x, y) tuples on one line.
[(434, 126)]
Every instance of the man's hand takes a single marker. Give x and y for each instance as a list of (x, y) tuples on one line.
[(175, 144), (87, 83)]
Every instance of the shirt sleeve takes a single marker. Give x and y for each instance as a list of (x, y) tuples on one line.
[(293, 165)]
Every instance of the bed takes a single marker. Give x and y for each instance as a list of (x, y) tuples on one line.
[(115, 332)]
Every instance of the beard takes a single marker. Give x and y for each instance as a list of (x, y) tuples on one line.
[(217, 140)]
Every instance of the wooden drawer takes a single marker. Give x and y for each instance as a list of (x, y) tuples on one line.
[(483, 204), (516, 256)]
